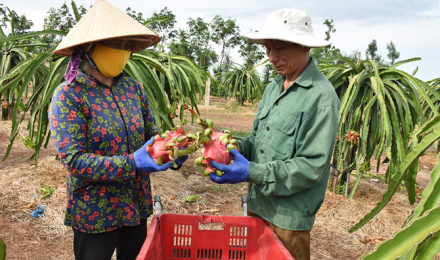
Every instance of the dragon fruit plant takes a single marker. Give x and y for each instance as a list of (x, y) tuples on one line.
[(168, 146), (216, 145)]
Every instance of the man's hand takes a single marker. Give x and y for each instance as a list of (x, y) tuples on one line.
[(145, 163), (234, 173)]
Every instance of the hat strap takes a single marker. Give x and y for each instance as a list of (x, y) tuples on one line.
[(72, 69)]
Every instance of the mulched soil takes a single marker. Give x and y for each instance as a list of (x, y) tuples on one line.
[(48, 238)]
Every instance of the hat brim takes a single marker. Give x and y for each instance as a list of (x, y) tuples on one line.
[(104, 21), (304, 40), (138, 43)]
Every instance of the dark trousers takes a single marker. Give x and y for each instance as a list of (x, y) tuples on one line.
[(128, 242)]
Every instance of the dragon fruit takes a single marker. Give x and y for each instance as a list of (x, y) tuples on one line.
[(167, 147), (216, 145), (5, 104), (214, 150), (181, 139), (352, 136)]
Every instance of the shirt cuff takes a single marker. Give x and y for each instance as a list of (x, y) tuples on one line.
[(256, 173), (132, 163)]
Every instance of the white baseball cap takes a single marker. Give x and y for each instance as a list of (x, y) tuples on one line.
[(288, 25)]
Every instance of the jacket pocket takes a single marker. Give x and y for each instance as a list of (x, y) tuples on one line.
[(283, 136), (261, 116), (262, 113)]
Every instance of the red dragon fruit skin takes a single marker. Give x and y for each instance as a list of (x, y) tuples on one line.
[(176, 135), (157, 150), (169, 146), (216, 145), (215, 150)]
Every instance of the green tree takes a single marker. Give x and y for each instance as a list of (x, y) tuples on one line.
[(393, 54), (371, 51), (195, 43), (135, 15), (19, 23), (60, 19), (326, 52), (219, 73), (201, 38), (180, 44), (226, 34), (163, 23), (328, 35), (251, 52)]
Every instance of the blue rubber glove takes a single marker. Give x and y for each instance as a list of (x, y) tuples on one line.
[(180, 160), (145, 163), (234, 173)]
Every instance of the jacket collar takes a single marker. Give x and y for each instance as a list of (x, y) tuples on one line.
[(83, 73), (306, 78)]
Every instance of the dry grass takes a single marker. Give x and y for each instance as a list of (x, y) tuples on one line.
[(330, 234), (48, 238)]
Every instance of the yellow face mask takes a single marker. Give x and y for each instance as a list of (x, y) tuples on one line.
[(109, 61)]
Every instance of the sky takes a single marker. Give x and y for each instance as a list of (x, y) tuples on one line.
[(412, 25)]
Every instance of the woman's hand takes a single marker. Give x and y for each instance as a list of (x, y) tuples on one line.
[(145, 163)]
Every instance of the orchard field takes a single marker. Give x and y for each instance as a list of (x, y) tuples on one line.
[(47, 238)]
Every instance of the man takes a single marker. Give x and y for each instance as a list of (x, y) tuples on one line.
[(286, 159)]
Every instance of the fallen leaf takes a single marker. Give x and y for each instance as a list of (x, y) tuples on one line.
[(30, 205), (372, 240), (210, 210), (172, 198)]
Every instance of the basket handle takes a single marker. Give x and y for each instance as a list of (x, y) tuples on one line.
[(157, 204), (207, 223), (244, 205), (207, 219)]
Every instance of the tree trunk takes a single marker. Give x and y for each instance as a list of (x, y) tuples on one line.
[(207, 92), (10, 110)]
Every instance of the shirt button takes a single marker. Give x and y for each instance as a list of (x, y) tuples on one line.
[(267, 128), (276, 104), (261, 151)]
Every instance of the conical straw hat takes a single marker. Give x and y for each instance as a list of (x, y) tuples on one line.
[(105, 21)]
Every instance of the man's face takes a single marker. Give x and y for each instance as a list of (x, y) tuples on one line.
[(286, 58)]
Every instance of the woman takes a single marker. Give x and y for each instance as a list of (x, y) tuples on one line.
[(100, 120)]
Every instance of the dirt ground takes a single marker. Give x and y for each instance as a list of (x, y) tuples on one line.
[(47, 238)]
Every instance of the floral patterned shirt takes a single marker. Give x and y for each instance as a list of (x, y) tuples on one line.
[(96, 130)]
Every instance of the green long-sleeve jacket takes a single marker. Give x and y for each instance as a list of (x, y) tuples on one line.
[(290, 149)]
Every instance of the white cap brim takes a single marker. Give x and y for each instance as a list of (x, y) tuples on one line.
[(304, 40)]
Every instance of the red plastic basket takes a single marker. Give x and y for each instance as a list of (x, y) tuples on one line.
[(181, 236)]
